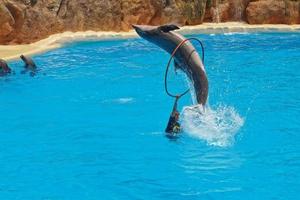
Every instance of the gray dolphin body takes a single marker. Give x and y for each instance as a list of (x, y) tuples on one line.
[(29, 65), (186, 58), (4, 68)]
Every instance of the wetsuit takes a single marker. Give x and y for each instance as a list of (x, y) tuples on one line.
[(173, 125)]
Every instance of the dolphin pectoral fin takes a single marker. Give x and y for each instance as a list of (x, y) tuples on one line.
[(168, 27)]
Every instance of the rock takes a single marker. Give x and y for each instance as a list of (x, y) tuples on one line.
[(225, 10), (29, 2), (6, 21), (13, 20), (97, 15), (273, 12), (46, 17), (37, 25), (137, 12), (193, 11), (26, 21), (31, 22)]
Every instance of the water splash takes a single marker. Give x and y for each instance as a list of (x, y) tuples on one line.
[(217, 127)]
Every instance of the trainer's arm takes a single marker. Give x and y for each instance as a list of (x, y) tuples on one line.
[(175, 105)]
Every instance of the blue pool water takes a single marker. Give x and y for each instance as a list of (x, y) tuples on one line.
[(91, 124)]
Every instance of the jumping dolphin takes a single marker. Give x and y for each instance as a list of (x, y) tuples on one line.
[(186, 58), (29, 65), (4, 69)]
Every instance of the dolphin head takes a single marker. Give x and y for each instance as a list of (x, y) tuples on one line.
[(147, 32), (155, 34), (3, 65), (23, 57)]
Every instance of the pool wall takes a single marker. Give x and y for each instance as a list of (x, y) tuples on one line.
[(11, 52)]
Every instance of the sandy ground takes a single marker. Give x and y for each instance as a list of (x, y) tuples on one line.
[(9, 52)]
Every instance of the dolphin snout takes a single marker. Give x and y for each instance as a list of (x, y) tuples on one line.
[(136, 27)]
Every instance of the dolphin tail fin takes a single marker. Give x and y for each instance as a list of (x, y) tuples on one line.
[(168, 27)]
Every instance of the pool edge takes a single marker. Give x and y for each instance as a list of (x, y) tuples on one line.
[(11, 52)]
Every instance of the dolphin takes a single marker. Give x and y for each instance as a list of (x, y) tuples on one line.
[(186, 58), (29, 65), (4, 68)]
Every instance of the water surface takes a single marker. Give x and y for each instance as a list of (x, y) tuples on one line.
[(90, 124)]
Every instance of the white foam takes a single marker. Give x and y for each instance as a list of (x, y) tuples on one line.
[(217, 127), (124, 100), (237, 33)]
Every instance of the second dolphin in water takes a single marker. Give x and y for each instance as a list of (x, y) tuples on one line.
[(29, 65), (186, 58)]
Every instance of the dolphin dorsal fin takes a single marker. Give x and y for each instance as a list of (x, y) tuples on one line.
[(168, 27)]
